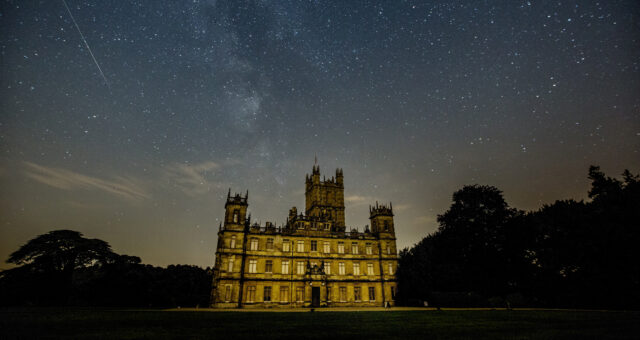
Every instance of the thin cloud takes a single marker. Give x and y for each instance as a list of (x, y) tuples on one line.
[(401, 207), (69, 180), (192, 178), (357, 199)]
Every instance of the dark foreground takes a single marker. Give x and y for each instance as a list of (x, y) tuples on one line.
[(129, 324)]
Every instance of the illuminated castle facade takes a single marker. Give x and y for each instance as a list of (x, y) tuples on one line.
[(312, 261)]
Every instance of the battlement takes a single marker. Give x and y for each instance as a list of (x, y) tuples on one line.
[(380, 210), (237, 199)]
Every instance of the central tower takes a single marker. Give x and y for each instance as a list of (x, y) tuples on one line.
[(324, 199)]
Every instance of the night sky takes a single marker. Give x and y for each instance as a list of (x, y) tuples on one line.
[(186, 99)]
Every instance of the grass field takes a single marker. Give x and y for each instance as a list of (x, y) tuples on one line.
[(499, 324)]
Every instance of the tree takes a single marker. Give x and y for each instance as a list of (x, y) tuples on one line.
[(476, 250), (58, 254), (474, 235)]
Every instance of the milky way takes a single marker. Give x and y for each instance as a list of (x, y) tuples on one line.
[(412, 99)]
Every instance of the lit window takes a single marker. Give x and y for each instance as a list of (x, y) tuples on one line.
[(227, 293), (369, 250), (356, 268), (314, 245), (285, 267), (354, 248), (284, 294), (300, 267), (235, 216), (393, 293), (327, 268), (254, 244), (268, 266), (232, 243), (370, 269), (341, 268), (300, 294), (269, 244), (251, 293), (340, 247), (286, 245), (253, 266), (343, 294), (230, 268), (372, 294), (300, 246), (356, 294), (390, 268), (327, 247), (266, 297)]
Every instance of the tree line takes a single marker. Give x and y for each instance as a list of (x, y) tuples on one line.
[(570, 254), (62, 267)]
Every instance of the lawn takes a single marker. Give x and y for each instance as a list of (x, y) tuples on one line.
[(130, 324)]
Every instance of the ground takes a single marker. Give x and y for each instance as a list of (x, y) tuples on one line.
[(321, 324)]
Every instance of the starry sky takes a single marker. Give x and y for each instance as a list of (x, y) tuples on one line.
[(136, 136)]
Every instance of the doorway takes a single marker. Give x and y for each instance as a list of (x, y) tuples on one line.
[(315, 296)]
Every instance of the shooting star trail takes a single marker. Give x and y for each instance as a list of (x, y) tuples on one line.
[(86, 44)]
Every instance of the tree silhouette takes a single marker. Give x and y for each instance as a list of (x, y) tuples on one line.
[(62, 267), (58, 254), (566, 254)]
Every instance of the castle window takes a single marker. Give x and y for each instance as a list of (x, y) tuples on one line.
[(343, 294), (372, 293), (251, 293), (227, 293), (327, 247), (231, 259), (390, 268), (340, 247), (341, 268), (388, 249), (267, 294), (285, 267), (286, 245), (356, 294), (393, 293), (370, 269), (300, 268), (328, 294), (235, 216), (269, 244), (284, 294), (268, 267), (368, 249), (327, 226), (253, 266), (300, 294), (232, 242), (254, 244), (314, 245), (327, 268), (354, 248), (356, 268), (386, 225), (300, 246)]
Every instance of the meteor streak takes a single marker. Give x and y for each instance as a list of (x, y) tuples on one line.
[(86, 44)]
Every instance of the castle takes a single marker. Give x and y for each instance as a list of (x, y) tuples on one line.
[(311, 261)]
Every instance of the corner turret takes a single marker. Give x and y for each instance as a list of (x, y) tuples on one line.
[(381, 217), (236, 211)]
